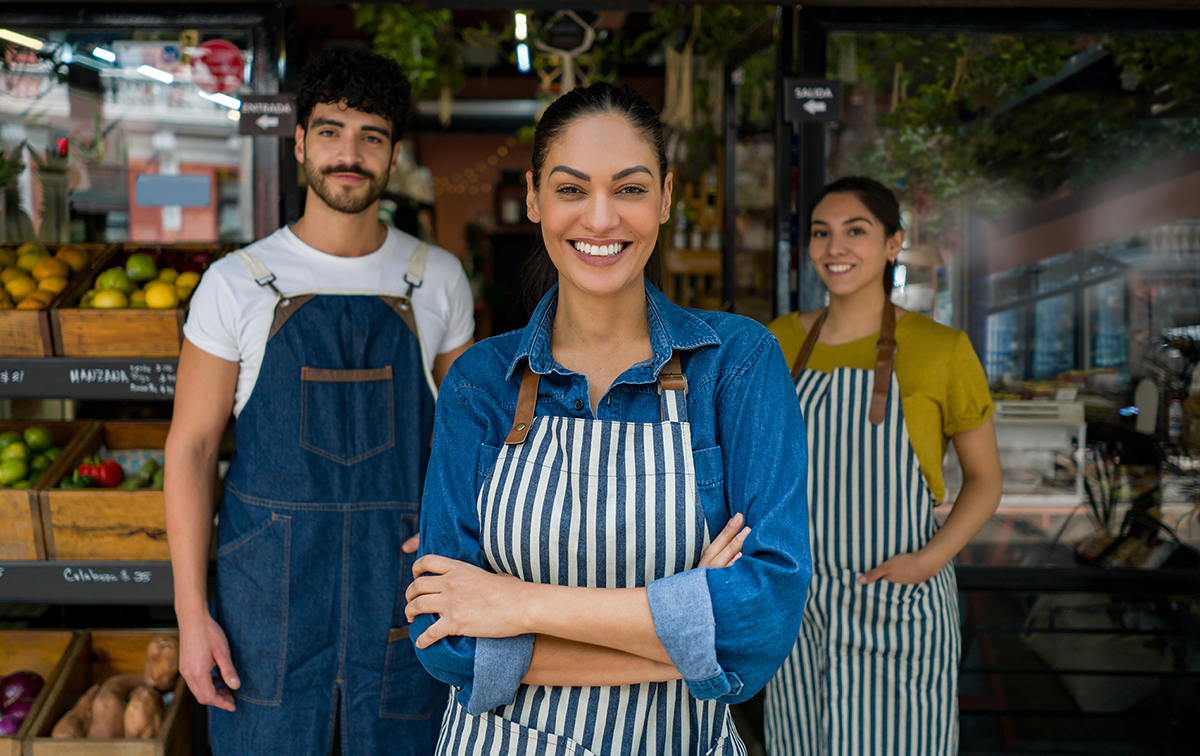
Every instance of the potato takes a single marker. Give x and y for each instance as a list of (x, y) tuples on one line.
[(162, 662), (108, 710), (143, 713), (75, 723)]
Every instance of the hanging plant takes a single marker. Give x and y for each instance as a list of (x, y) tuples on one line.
[(425, 44)]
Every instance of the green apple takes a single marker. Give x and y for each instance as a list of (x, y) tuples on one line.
[(117, 279), (140, 267)]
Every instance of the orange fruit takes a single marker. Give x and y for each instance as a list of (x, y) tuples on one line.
[(20, 288), (50, 268), (26, 260), (52, 284), (8, 257), (9, 274), (29, 303), (37, 300), (74, 256)]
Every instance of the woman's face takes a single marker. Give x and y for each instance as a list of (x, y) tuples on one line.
[(849, 246), (600, 203)]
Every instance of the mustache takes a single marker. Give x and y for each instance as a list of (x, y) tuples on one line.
[(343, 168)]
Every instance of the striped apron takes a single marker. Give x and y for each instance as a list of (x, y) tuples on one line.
[(875, 669), (591, 503)]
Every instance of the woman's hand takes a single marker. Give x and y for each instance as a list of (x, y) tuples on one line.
[(470, 601), (904, 568), (726, 548)]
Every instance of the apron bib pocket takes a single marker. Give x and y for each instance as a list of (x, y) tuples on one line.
[(347, 415), (252, 599)]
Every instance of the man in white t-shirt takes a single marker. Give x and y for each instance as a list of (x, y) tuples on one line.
[(326, 341)]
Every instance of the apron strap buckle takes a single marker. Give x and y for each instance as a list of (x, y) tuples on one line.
[(671, 377)]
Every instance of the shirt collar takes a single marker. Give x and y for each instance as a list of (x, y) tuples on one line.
[(672, 328)]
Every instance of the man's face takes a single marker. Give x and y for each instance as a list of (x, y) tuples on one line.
[(347, 156)]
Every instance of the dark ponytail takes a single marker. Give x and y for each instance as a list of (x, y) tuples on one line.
[(603, 98), (879, 201)]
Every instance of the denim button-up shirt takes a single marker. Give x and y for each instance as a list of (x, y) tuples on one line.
[(726, 630)]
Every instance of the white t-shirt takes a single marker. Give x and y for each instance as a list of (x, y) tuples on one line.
[(230, 315)]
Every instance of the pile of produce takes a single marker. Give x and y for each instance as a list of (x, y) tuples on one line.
[(31, 278), (17, 694), (95, 472), (126, 706), (148, 280), (24, 457)]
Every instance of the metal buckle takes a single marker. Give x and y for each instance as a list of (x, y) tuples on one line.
[(672, 375)]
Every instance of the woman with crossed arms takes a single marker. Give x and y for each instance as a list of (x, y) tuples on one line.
[(567, 587)]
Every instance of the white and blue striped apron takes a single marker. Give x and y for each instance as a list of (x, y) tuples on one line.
[(580, 502), (875, 669)]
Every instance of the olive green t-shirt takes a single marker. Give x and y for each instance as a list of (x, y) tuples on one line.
[(943, 388)]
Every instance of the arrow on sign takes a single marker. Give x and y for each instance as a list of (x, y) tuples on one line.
[(814, 106), (265, 122)]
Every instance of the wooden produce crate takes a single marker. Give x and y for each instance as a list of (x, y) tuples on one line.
[(105, 523), (21, 535), (29, 333), (125, 333), (99, 655), (43, 651)]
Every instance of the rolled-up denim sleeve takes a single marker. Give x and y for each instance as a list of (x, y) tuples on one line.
[(486, 671), (729, 630)]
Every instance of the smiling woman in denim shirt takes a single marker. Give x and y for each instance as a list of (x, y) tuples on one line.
[(568, 587)]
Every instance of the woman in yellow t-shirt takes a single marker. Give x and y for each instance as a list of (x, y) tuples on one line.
[(875, 669)]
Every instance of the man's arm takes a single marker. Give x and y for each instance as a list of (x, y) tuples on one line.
[(204, 393), (443, 361), (441, 364)]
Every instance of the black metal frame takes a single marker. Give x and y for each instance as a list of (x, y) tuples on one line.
[(778, 33), (261, 20)]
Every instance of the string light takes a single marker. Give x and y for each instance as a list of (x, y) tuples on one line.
[(470, 180)]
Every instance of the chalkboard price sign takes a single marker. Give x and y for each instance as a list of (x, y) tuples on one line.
[(87, 378)]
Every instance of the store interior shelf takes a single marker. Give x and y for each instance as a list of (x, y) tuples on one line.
[(121, 378), (87, 582)]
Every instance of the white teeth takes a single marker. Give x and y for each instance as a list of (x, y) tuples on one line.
[(839, 267), (608, 250)]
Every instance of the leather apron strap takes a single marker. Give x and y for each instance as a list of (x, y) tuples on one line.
[(885, 356), (809, 342), (526, 403), (670, 378)]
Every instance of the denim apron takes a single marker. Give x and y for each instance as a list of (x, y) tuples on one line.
[(580, 502), (325, 486), (875, 667)]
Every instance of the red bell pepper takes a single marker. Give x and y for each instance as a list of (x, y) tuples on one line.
[(106, 473)]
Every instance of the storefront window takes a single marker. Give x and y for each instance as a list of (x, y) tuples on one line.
[(126, 136), (1056, 177)]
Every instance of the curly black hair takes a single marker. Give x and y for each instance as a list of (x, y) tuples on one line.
[(362, 79)]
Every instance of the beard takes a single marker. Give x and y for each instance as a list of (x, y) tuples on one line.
[(349, 200)]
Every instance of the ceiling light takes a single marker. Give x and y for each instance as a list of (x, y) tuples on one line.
[(523, 58), (522, 26), (222, 99), (156, 74), (102, 54), (21, 39)]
